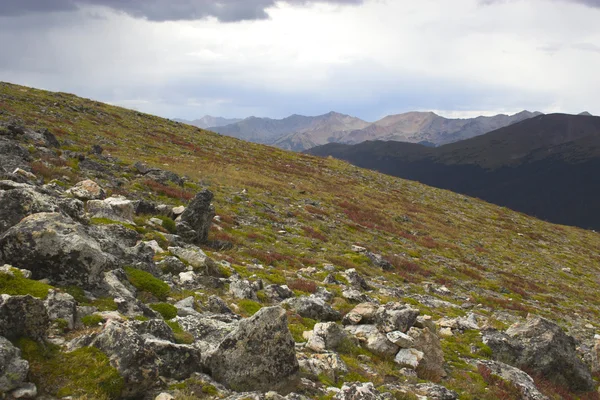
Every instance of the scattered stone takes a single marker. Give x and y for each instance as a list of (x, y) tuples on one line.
[(278, 293), (61, 306), (429, 344), (23, 316), (372, 339), (242, 289), (326, 336), (356, 280), (116, 208), (379, 261), (217, 305), (358, 391), (408, 358), (363, 313), (193, 225), (197, 259), (515, 376), (164, 396), (328, 364), (396, 317), (26, 391), (400, 339), (313, 307), (17, 204)]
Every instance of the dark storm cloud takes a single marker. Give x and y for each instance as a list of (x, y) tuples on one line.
[(162, 10)]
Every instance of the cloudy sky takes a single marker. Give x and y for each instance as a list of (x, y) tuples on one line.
[(368, 58)]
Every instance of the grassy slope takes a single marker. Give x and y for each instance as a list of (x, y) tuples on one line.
[(497, 257)]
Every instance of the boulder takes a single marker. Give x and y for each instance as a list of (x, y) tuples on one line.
[(258, 355), (164, 177), (278, 293), (518, 378), (17, 204), (400, 339), (209, 330), (541, 347), (356, 280), (171, 265), (395, 317), (195, 222), (13, 369), (26, 391), (355, 296), (359, 391), (87, 190), (53, 246), (313, 307), (434, 391), (409, 358), (197, 259), (242, 289), (177, 361), (429, 343), (325, 336), (216, 305), (116, 208), (23, 316), (379, 261)]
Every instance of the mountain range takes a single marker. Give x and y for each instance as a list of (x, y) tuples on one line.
[(209, 121), (299, 133), (545, 166)]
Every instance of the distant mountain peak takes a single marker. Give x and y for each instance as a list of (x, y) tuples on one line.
[(585, 113)]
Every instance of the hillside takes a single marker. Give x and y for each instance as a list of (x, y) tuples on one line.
[(543, 166), (389, 282), (299, 133)]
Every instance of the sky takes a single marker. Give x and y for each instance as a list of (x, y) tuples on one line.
[(267, 58)]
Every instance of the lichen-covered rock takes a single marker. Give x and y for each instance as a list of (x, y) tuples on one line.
[(53, 246), (359, 391), (328, 364), (26, 391), (177, 361), (363, 313), (242, 289), (197, 259), (23, 316), (313, 307), (209, 330), (258, 355), (278, 292), (87, 190), (520, 379), (16, 204), (193, 225), (409, 358), (217, 305), (542, 347), (13, 369), (356, 280), (116, 208)]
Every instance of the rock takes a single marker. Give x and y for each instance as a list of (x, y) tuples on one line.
[(328, 364), (395, 317), (87, 190), (116, 284), (324, 294), (196, 258), (153, 244), (400, 339), (177, 361), (177, 211), (520, 379), (26, 175), (326, 336), (425, 321), (433, 391), (356, 280), (372, 339), (13, 369), (278, 293), (116, 208), (208, 330), (23, 316), (355, 296), (164, 396), (13, 156), (258, 355), (358, 391), (61, 306), (217, 305), (17, 204), (363, 313), (409, 358), (188, 278), (428, 343), (358, 249), (542, 347), (313, 307), (53, 246), (195, 222), (156, 328), (26, 391), (186, 307), (164, 177), (460, 323)]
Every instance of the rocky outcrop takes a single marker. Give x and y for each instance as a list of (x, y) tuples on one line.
[(53, 246), (114, 208), (328, 364), (395, 317), (16, 204), (541, 347), (13, 369), (193, 225), (325, 336), (61, 306), (515, 376), (375, 341), (258, 355), (87, 190), (428, 343), (22, 316)]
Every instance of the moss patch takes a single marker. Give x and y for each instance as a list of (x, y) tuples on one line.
[(83, 372), (168, 311), (145, 282), (17, 285)]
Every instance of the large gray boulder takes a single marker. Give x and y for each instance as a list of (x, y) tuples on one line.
[(429, 344), (54, 246), (541, 346), (61, 306), (258, 355), (13, 369), (372, 339), (195, 222), (395, 317), (16, 204), (23, 316)]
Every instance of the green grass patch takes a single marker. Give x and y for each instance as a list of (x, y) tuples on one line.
[(168, 224), (145, 282), (17, 285), (168, 311), (181, 336), (83, 372), (249, 307), (92, 320)]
